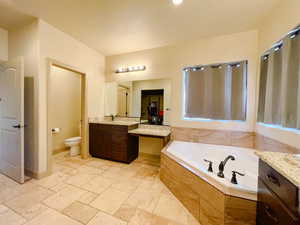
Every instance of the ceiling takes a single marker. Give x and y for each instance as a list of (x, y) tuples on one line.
[(10, 17), (121, 26)]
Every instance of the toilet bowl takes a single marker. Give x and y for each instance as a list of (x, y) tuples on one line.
[(74, 144)]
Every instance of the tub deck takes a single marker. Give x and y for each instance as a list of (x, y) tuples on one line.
[(208, 204)]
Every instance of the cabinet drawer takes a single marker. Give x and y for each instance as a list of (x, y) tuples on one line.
[(283, 188), (270, 210)]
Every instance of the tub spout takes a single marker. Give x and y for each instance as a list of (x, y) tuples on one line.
[(222, 165)]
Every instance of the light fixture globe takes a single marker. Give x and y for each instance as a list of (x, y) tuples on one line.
[(177, 2)]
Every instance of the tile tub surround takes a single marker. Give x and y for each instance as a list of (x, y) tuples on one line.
[(217, 137), (208, 205), (263, 143), (288, 165), (231, 138)]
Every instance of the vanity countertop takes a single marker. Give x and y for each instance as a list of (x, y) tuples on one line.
[(117, 122), (150, 132), (286, 164)]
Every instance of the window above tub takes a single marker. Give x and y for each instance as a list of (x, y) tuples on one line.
[(216, 92), (279, 90)]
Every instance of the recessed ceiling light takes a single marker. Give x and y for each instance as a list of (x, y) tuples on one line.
[(177, 2)]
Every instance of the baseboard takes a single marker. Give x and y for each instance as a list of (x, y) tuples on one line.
[(36, 175), (57, 151), (147, 155)]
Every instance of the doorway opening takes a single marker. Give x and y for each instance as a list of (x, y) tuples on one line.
[(123, 101), (152, 107), (66, 112)]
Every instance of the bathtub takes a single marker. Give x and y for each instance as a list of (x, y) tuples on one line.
[(192, 155)]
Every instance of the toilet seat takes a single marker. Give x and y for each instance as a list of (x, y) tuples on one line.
[(73, 139)]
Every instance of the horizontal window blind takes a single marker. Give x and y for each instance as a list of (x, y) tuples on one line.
[(279, 91), (216, 91)]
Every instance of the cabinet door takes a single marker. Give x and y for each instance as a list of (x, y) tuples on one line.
[(270, 210), (100, 141), (133, 147), (119, 145)]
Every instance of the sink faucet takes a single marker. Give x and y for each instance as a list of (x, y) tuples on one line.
[(222, 165), (112, 117)]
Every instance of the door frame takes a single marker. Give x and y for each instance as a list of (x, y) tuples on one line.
[(84, 110)]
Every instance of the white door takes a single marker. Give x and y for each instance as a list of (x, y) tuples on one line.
[(12, 119)]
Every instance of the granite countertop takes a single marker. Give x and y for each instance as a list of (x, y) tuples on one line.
[(150, 132), (286, 164), (117, 122)]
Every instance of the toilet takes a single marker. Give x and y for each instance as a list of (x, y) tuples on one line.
[(74, 144)]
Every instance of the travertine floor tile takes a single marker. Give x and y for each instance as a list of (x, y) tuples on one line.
[(64, 198), (56, 167), (89, 170), (80, 212), (144, 198), (105, 219), (9, 217), (113, 173), (98, 184), (126, 185), (80, 179), (141, 217), (78, 188), (169, 207), (110, 201), (73, 163), (58, 187), (87, 198), (125, 212), (158, 220), (10, 189), (53, 180), (28, 204), (99, 164), (52, 217)]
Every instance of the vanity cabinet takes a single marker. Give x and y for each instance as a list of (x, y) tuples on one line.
[(113, 142), (278, 198)]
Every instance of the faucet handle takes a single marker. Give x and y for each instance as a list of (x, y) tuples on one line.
[(210, 169), (233, 179)]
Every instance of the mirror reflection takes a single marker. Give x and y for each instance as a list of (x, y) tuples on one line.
[(148, 100)]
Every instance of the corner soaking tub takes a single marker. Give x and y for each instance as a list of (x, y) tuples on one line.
[(192, 155)]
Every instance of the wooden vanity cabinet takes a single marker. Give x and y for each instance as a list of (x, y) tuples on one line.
[(113, 142), (278, 198)]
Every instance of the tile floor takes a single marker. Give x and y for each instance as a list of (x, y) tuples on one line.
[(93, 192)]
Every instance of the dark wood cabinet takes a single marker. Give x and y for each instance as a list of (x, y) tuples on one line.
[(278, 198), (113, 142)]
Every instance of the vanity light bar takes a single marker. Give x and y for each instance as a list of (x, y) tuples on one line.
[(131, 69)]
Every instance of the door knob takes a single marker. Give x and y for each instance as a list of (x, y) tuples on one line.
[(18, 126)]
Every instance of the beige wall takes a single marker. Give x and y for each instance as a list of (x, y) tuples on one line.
[(38, 42), (23, 41), (58, 45), (168, 62), (3, 44), (138, 86), (276, 25), (65, 105), (152, 146), (111, 98)]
